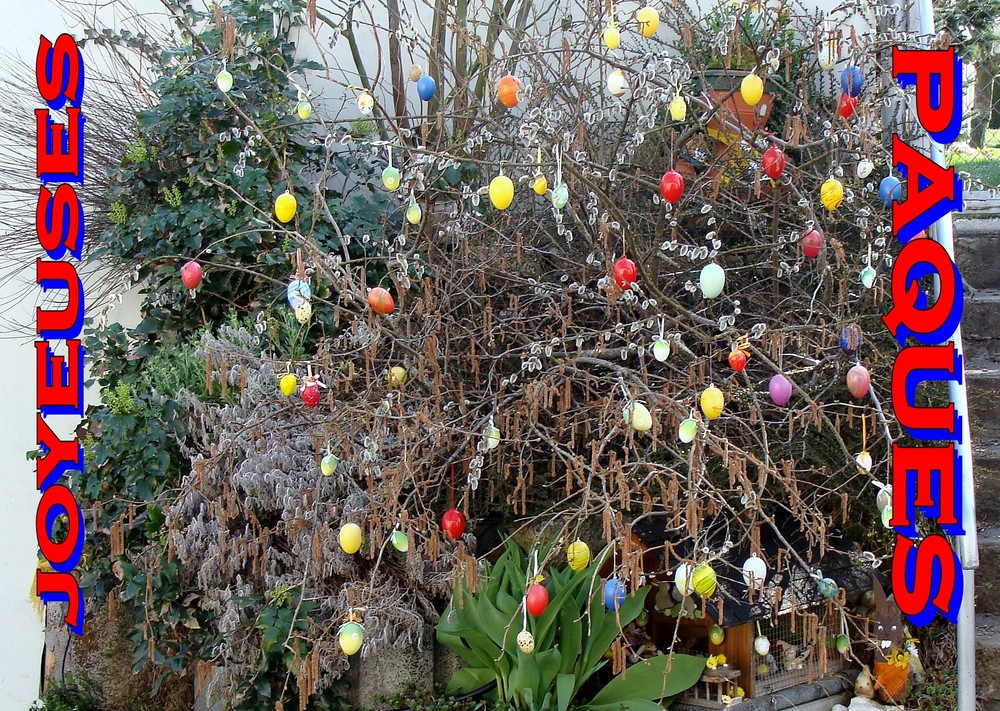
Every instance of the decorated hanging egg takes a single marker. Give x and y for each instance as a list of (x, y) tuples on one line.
[(687, 430), (224, 80), (614, 594), (400, 541), (704, 580), (738, 360), (303, 312), (890, 190), (612, 37), (453, 524), (536, 600), (842, 643), (414, 213), (298, 290), (884, 496), (716, 635), (391, 178), (762, 645), (678, 107), (284, 207), (864, 168), (851, 339), (191, 274), (812, 243), (754, 570), (560, 196), (501, 192), (637, 415), (492, 436), (350, 538), (867, 277), (661, 350), (426, 87), (351, 637), (773, 162), (304, 109), (617, 83), (416, 71), (672, 186), (648, 19), (508, 90), (712, 280), (310, 394), (642, 619), (851, 80), (847, 105), (752, 89), (780, 389), (885, 514), (864, 462), (682, 579), (858, 381), (288, 383), (827, 588), (577, 555), (829, 52), (525, 641), (624, 272), (397, 376), (381, 301), (540, 185), (328, 464), (366, 102), (831, 193), (712, 402)]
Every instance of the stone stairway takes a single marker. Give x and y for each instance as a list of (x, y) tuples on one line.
[(977, 244)]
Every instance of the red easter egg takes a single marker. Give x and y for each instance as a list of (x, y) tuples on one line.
[(812, 243), (738, 360), (191, 274), (773, 162), (847, 105), (537, 600), (453, 524), (381, 301), (625, 272), (858, 381), (672, 186), (310, 395)]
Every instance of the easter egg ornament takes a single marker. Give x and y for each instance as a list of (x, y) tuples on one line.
[(611, 36), (687, 430), (414, 213), (712, 402), (540, 185), (560, 196), (426, 87), (831, 193), (812, 243), (661, 350), (297, 291), (827, 588), (351, 637), (191, 274), (509, 90), (391, 178), (682, 579), (712, 280), (867, 277), (491, 436), (864, 168), (773, 162), (453, 524), (852, 80), (841, 643), (288, 383), (672, 186), (780, 389), (738, 359), (716, 635), (577, 555), (851, 339), (752, 89), (224, 80), (637, 415), (303, 312), (284, 207), (304, 109), (890, 190), (400, 541), (704, 580), (858, 381), (310, 394), (617, 83), (525, 641), (501, 192), (624, 272), (678, 107), (536, 600), (754, 571), (416, 71), (614, 594), (762, 645), (381, 301), (366, 102), (864, 462), (350, 538), (847, 105), (397, 376), (328, 464), (648, 19)]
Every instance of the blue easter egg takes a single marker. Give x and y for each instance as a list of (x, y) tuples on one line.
[(890, 190), (851, 339), (614, 594), (851, 80), (298, 291), (426, 87)]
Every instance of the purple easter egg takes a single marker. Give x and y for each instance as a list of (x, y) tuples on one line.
[(780, 389)]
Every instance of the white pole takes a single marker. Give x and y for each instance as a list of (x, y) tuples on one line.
[(967, 545)]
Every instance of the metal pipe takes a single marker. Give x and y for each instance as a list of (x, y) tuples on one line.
[(968, 544)]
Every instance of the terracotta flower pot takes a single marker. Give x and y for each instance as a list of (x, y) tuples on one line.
[(891, 680), (723, 88)]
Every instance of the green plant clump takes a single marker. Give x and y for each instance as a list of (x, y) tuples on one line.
[(75, 692)]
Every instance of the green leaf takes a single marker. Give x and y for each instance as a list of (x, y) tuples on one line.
[(628, 705), (469, 679), (645, 680), (565, 689)]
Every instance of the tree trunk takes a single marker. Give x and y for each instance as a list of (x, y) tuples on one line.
[(982, 104)]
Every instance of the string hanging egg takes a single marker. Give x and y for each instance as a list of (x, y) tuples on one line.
[(614, 594), (864, 168), (416, 71), (350, 538), (288, 384), (351, 637), (851, 339), (867, 277), (303, 312), (716, 635), (624, 272), (491, 436), (400, 541), (672, 186), (525, 641), (224, 80), (661, 350), (847, 105), (827, 588), (738, 359), (328, 464), (304, 109), (678, 107), (859, 381), (648, 19), (366, 102), (285, 206), (637, 415), (890, 190), (426, 87), (509, 90), (762, 645), (617, 83), (577, 555), (687, 430), (536, 600), (298, 291), (829, 52), (191, 274), (831, 193), (852, 80), (704, 580), (381, 301), (540, 185), (310, 394), (397, 376), (712, 280), (773, 162), (754, 571), (501, 192), (752, 89), (712, 402), (391, 178), (414, 213), (612, 37), (682, 579), (812, 243), (560, 196), (780, 389), (453, 524)]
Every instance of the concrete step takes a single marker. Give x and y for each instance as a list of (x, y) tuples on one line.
[(988, 659), (982, 379), (981, 316), (986, 471), (988, 574), (976, 246)]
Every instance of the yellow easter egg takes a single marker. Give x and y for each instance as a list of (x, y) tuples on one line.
[(501, 192), (540, 185), (704, 580), (577, 555), (288, 384), (284, 207), (648, 19), (752, 89), (397, 376), (350, 538), (414, 213), (712, 402), (678, 107), (832, 194), (612, 37)]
